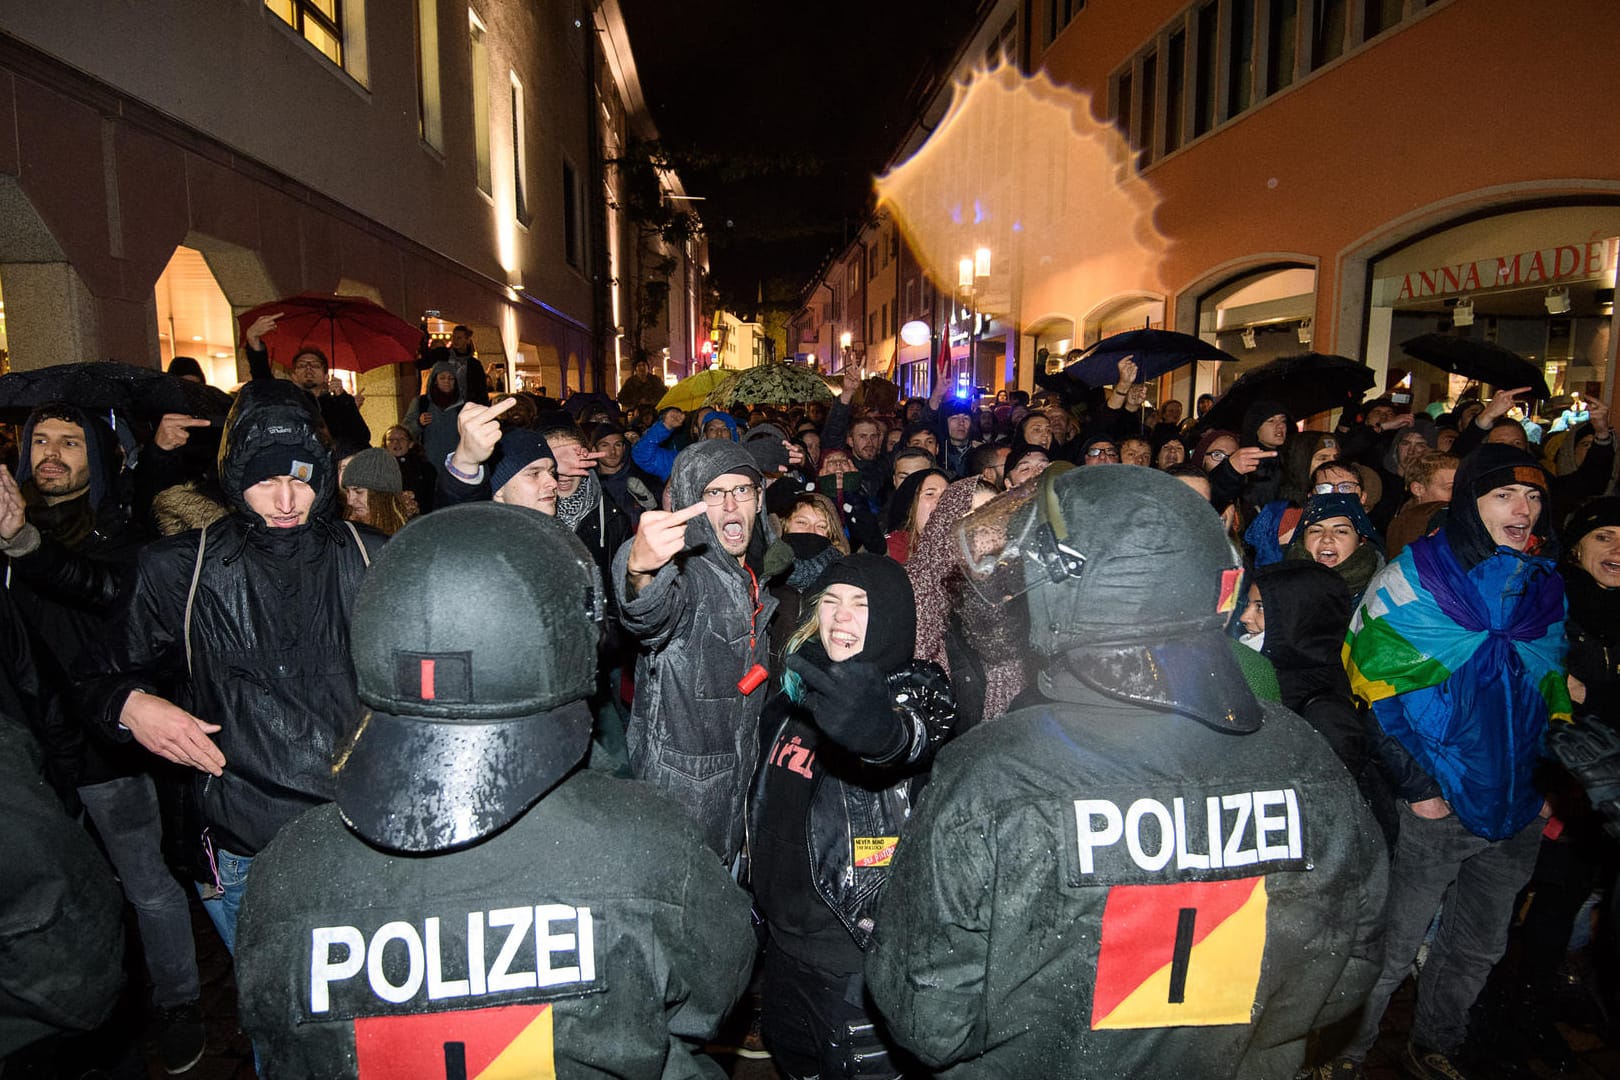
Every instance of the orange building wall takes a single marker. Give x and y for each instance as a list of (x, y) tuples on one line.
[(1475, 95)]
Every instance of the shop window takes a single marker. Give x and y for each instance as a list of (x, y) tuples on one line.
[(429, 109), (480, 102), (1537, 282), (1257, 317), (1282, 28), (520, 154), (194, 317)]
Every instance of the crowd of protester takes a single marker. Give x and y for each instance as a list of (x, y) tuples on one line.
[(794, 616)]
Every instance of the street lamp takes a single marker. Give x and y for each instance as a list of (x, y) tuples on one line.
[(845, 340), (970, 271)]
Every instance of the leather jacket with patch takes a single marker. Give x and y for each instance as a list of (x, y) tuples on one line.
[(858, 807)]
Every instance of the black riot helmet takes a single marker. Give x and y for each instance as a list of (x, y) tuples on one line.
[(1127, 579), (474, 640)]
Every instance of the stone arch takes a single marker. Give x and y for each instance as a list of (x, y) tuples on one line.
[(50, 315)]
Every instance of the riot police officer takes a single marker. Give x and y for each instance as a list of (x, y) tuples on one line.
[(1142, 870), (473, 903)]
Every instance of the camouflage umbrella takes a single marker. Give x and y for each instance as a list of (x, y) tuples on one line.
[(770, 384)]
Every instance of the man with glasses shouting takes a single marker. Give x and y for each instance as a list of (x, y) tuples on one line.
[(688, 592)]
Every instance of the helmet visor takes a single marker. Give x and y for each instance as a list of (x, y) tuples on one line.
[(1010, 545)]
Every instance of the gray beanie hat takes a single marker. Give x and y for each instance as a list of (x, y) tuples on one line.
[(375, 470)]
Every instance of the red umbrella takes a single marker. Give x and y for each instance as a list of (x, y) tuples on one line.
[(355, 333)]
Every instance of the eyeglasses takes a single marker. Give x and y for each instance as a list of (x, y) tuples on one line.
[(1102, 452), (1343, 487), (308, 362), (1216, 455), (741, 493)]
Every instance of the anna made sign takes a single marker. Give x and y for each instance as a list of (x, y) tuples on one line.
[(1544, 266)]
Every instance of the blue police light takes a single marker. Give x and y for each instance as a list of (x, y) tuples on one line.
[(963, 390)]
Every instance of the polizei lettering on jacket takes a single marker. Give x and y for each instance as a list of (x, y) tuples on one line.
[(1160, 837), (516, 953)]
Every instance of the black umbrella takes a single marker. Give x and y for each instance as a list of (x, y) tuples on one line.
[(1481, 360), (1156, 352), (146, 393), (1304, 385)]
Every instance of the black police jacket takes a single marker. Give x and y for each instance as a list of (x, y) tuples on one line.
[(597, 936), (1103, 890)]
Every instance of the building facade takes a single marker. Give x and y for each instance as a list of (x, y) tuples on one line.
[(1331, 176), (166, 167)]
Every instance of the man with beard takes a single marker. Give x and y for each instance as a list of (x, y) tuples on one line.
[(70, 549), (688, 591), (312, 372)]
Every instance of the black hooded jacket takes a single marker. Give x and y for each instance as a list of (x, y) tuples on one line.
[(825, 820), (65, 570), (259, 644), (1308, 609)]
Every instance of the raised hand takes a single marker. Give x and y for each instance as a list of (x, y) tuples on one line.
[(1498, 406), (13, 511), (480, 430), (659, 538), (1248, 458), (174, 430), (254, 336)]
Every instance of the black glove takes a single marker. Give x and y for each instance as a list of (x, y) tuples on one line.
[(851, 704), (1590, 750)]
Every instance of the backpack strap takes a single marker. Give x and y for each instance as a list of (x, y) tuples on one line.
[(191, 595), (365, 556)]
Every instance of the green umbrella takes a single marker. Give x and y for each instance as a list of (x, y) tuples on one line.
[(770, 384)]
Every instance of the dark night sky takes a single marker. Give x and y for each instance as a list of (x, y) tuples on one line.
[(793, 109)]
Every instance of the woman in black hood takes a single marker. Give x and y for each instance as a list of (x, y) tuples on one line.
[(1268, 425), (853, 730), (1306, 611)]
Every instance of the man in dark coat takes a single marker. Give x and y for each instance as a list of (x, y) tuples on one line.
[(1143, 870), (70, 549), (312, 372), (474, 903), (246, 624), (689, 593)]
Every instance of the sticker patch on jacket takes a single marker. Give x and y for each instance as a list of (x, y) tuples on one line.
[(511, 1042), (874, 850), (1180, 955)]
